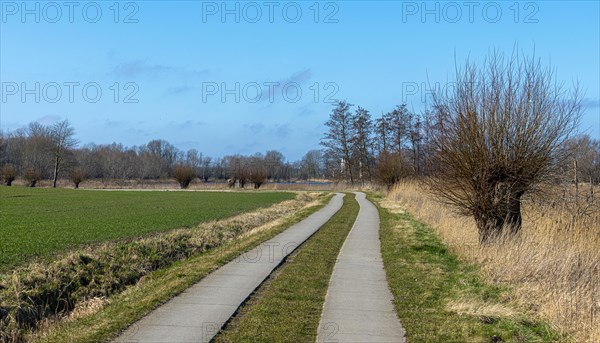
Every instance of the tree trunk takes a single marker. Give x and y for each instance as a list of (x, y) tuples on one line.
[(56, 163), (349, 171), (506, 219), (489, 227), (514, 220)]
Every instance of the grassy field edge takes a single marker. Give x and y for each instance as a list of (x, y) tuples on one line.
[(120, 311), (440, 298), (287, 306), (41, 225)]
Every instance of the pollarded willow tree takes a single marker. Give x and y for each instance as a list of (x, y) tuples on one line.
[(505, 123)]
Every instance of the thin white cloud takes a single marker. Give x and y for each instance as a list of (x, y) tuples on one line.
[(180, 90), (143, 68), (282, 131), (589, 103), (48, 119), (139, 68), (299, 78), (255, 128)]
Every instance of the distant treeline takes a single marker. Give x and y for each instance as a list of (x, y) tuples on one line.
[(39, 152), (357, 148)]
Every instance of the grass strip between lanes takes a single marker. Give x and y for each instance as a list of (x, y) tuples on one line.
[(442, 299), (287, 307), (158, 287)]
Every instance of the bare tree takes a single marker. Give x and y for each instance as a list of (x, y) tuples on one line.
[(257, 170), (32, 176), (206, 169), (433, 127), (61, 135), (34, 151), (362, 142), (158, 158), (381, 134), (184, 174), (337, 139), (390, 168), (242, 173), (397, 124), (583, 151), (194, 158), (11, 147), (506, 122), (77, 176), (273, 162), (415, 135), (237, 170), (8, 174), (312, 163)]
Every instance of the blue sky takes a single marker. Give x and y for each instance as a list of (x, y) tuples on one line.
[(232, 80)]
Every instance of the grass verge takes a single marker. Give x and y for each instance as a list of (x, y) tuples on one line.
[(442, 299), (104, 318), (552, 267), (287, 307)]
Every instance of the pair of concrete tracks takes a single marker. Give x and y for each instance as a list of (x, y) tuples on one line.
[(358, 306)]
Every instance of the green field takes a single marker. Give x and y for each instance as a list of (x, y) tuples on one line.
[(40, 222)]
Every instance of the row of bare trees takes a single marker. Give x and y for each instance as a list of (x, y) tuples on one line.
[(36, 152), (401, 143), (385, 149), (40, 152)]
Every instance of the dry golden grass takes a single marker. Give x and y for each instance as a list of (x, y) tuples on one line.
[(553, 268), (480, 309)]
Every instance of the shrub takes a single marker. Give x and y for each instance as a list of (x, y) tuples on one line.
[(8, 174), (77, 176), (390, 168), (184, 174), (32, 176), (258, 176)]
